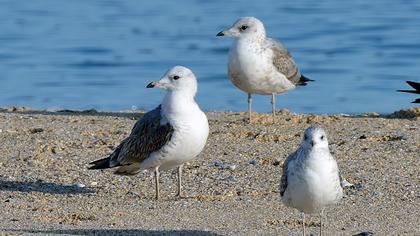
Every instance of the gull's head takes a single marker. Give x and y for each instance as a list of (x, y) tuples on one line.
[(178, 78), (315, 137), (245, 27)]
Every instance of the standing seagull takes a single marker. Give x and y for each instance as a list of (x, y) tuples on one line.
[(173, 133), (310, 179), (258, 64)]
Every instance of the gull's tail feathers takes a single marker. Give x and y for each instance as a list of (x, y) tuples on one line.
[(100, 164), (130, 169), (303, 81), (107, 162)]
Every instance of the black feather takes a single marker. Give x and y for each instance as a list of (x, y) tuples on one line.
[(415, 85), (106, 162), (100, 164), (303, 81)]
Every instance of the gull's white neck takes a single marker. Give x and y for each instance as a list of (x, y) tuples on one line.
[(249, 44), (179, 103), (312, 153)]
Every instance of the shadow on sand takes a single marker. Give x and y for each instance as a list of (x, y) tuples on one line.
[(42, 187), (91, 112), (105, 232)]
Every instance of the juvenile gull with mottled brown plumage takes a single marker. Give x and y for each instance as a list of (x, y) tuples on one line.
[(166, 137), (258, 64)]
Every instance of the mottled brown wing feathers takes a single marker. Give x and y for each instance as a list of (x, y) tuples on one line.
[(150, 120), (147, 136), (283, 61), (138, 147)]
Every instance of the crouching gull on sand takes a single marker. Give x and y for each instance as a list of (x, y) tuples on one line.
[(311, 180), (258, 64), (173, 133)]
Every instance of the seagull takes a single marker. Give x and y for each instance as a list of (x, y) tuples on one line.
[(258, 64), (173, 133), (416, 87), (311, 180)]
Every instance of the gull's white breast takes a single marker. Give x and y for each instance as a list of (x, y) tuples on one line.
[(313, 182), (251, 69), (187, 141)]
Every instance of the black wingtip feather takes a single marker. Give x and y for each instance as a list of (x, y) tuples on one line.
[(100, 164), (407, 91), (304, 80), (415, 85)]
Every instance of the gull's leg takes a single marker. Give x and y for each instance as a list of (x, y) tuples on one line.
[(157, 182), (273, 106), (249, 107), (303, 223), (320, 221), (179, 181)]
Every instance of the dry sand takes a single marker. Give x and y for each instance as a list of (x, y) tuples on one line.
[(231, 189)]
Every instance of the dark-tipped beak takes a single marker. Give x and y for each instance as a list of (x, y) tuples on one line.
[(220, 34), (151, 85), (312, 143)]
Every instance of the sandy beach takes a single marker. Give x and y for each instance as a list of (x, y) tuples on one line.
[(231, 189)]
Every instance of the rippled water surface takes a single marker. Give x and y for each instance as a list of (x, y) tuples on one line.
[(101, 54)]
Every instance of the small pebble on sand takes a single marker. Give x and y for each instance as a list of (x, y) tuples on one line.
[(79, 185)]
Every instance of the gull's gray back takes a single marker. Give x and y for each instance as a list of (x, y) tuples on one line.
[(283, 61)]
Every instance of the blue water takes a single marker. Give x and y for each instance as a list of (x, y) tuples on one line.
[(102, 53)]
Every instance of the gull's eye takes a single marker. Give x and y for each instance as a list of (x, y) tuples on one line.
[(244, 27), (305, 137), (322, 137), (176, 77)]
